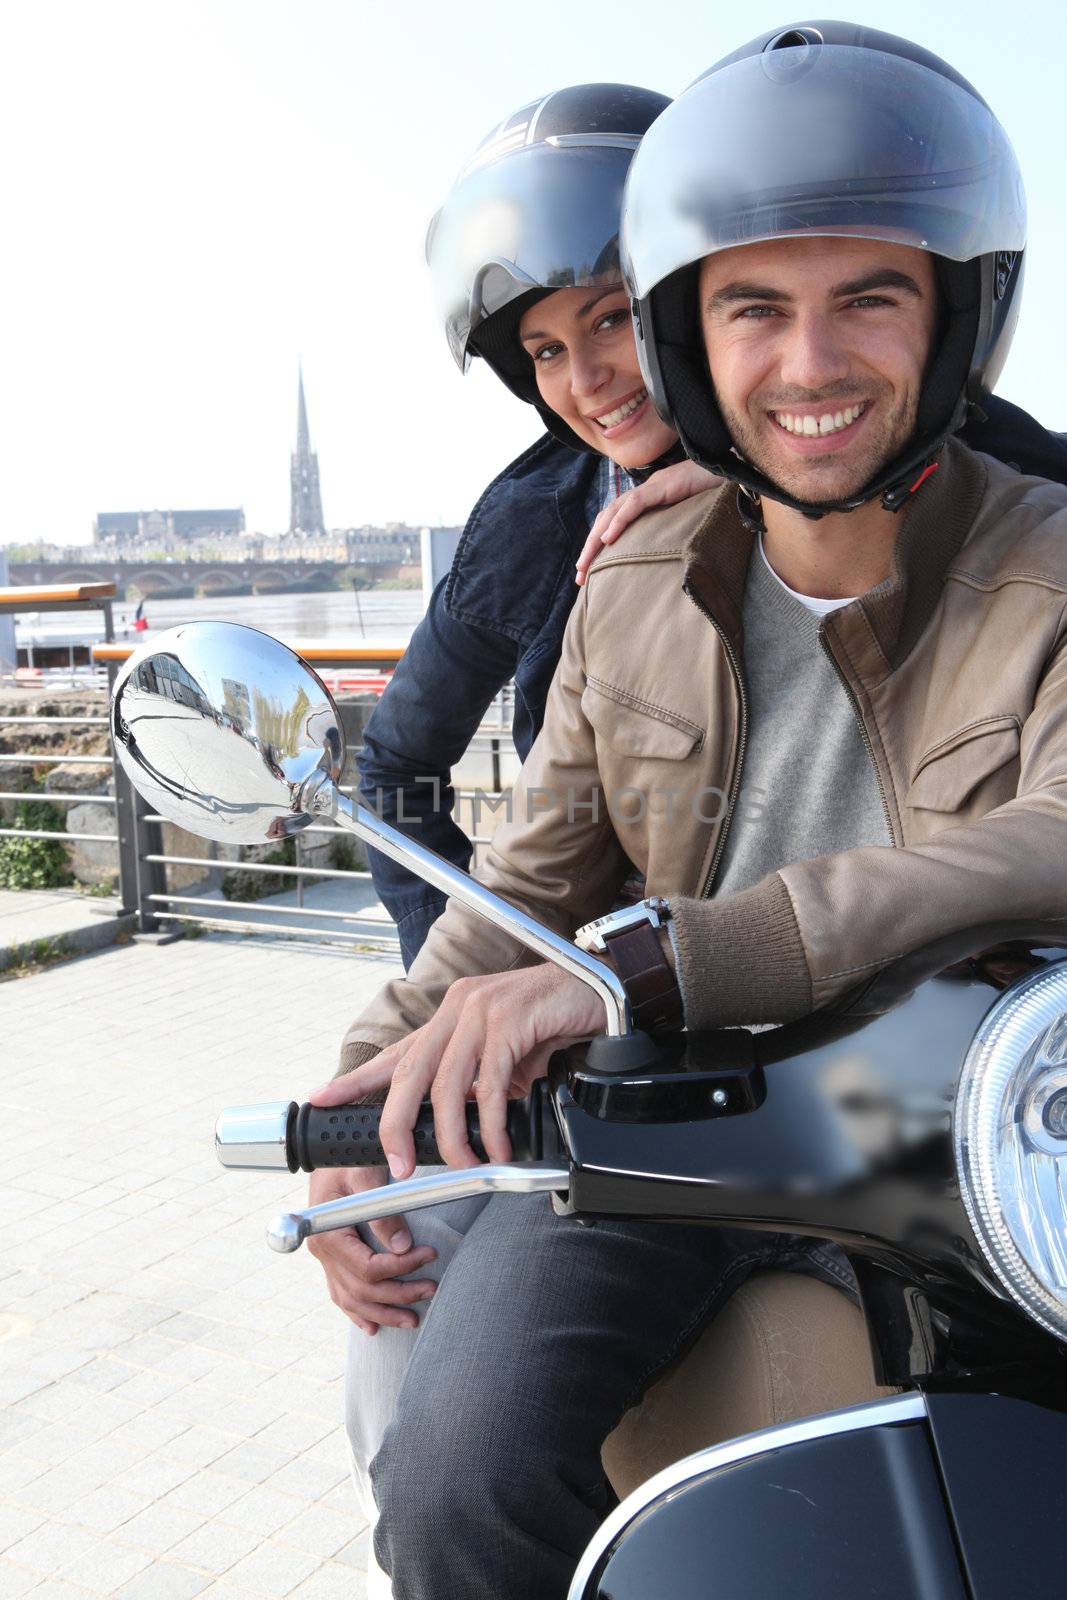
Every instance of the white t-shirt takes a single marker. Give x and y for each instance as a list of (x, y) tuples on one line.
[(821, 608)]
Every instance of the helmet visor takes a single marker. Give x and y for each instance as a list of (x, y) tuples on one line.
[(820, 139), (545, 218)]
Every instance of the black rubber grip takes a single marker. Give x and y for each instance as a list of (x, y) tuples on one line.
[(347, 1136)]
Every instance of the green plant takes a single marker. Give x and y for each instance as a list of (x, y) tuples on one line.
[(238, 885), (34, 863), (26, 959), (343, 855)]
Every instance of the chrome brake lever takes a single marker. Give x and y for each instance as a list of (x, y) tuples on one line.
[(288, 1231)]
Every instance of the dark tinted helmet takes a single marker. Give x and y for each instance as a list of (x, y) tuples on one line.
[(535, 209), (826, 128)]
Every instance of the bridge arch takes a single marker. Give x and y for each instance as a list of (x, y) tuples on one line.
[(154, 580), (71, 575)]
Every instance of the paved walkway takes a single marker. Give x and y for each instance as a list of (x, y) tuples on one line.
[(170, 1389), (33, 918)]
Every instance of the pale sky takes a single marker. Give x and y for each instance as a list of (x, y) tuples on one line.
[(196, 194)]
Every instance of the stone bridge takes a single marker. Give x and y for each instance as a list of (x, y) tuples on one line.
[(179, 579)]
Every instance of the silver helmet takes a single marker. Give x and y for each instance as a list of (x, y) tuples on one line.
[(826, 128)]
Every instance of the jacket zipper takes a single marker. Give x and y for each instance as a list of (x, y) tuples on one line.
[(854, 699), (742, 740)]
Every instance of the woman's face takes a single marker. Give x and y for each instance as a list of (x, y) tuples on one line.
[(582, 347)]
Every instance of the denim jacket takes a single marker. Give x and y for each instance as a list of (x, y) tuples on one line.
[(498, 616)]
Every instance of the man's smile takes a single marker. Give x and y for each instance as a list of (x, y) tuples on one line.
[(822, 431)]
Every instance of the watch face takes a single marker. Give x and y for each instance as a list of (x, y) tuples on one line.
[(592, 935), (589, 938)]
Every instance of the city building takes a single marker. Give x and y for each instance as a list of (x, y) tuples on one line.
[(165, 529)]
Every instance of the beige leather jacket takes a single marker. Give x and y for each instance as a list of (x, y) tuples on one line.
[(957, 665)]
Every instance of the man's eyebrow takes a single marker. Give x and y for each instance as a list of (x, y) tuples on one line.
[(880, 278), (731, 293), (583, 311)]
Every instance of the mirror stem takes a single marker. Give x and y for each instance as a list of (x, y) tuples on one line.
[(452, 881)]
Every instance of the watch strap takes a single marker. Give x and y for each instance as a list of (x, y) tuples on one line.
[(648, 978)]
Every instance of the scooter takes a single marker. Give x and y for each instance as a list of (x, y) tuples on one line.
[(922, 1126)]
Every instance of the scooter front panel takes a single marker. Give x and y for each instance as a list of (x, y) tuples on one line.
[(829, 1508)]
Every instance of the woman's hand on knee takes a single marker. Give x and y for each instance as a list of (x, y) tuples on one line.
[(371, 1287)]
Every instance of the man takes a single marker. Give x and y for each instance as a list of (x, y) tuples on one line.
[(826, 718)]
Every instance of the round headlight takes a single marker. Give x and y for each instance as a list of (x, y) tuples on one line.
[(1010, 1132)]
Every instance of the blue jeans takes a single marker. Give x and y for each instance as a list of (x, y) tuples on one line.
[(542, 1334)]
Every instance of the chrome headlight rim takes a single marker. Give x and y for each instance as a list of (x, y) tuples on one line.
[(1016, 1022)]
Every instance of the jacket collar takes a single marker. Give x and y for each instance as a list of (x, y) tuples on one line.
[(882, 627)]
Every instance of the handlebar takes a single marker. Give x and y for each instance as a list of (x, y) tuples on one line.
[(284, 1135), (304, 1138)]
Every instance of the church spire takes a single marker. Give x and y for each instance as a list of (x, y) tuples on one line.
[(305, 501), (303, 439)]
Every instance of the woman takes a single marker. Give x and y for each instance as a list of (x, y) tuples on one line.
[(537, 207)]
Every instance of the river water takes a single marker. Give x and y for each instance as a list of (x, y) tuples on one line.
[(374, 616)]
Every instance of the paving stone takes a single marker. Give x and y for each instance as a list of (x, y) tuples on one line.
[(16, 1522), (161, 1526), (59, 1589), (216, 1546), (17, 1471), (357, 1553), (56, 1489), (106, 1568), (16, 1581), (151, 1429), (15, 1426), (273, 1571), (301, 1432), (253, 1461), (107, 1508), (318, 1531), (164, 1581), (263, 1511), (308, 1477), (207, 1492), (51, 1547), (332, 1583), (198, 1446)]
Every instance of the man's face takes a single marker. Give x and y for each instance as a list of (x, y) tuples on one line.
[(817, 349)]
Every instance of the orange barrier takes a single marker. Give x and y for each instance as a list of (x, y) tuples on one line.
[(31, 594), (316, 655)]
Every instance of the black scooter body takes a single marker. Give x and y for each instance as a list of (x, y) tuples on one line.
[(837, 1127), (965, 1502), (841, 1128)]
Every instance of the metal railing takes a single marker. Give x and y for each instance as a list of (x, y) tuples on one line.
[(36, 598), (142, 860)]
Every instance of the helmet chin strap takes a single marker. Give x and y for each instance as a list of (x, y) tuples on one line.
[(893, 486)]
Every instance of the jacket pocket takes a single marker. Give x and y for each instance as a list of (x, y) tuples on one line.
[(951, 770), (633, 727)]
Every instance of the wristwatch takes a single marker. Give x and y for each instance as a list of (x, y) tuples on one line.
[(630, 937)]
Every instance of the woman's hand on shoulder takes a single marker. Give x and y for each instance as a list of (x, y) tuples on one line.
[(664, 488)]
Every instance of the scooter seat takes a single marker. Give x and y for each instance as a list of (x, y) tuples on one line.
[(784, 1346)]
